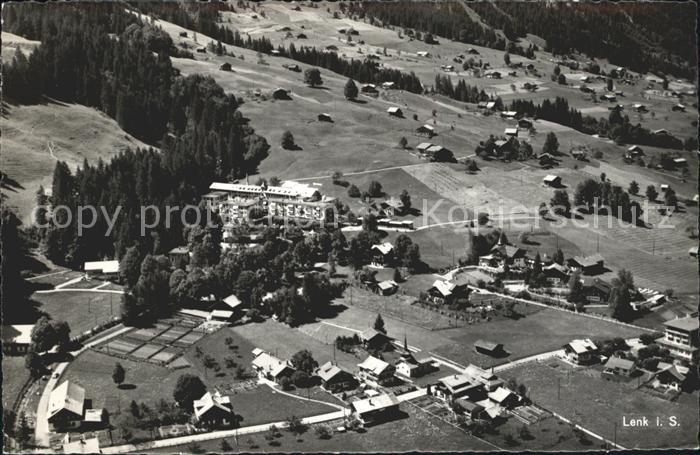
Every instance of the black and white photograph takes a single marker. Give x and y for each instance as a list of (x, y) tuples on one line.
[(381, 226)]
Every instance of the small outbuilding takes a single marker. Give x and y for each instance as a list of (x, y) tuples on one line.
[(395, 111), (323, 117), (552, 180), (225, 66), (108, 268), (489, 348), (426, 130)]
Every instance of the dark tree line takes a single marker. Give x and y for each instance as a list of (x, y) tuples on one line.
[(447, 19), (643, 37), (461, 91), (205, 19), (617, 127), (102, 56)]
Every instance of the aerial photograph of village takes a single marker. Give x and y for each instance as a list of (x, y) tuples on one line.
[(350, 226)]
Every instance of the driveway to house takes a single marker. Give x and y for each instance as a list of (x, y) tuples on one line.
[(41, 432)]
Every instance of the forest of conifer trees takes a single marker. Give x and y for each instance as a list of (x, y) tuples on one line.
[(104, 57)]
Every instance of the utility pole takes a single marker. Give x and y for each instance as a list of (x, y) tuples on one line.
[(615, 435)]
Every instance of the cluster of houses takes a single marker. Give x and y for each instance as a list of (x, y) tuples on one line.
[(681, 338), (294, 200), (476, 394)]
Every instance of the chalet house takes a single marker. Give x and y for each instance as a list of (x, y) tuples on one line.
[(491, 264), (547, 159), (225, 66), (501, 146), (214, 410), (423, 147), (410, 367), (596, 290), (581, 352), (66, 406), (617, 366), (608, 97), (374, 340), (680, 162), (555, 274), (472, 51), (387, 287), (369, 89), (681, 338), (509, 255), (426, 130), (489, 348), (678, 107), (633, 152), (102, 268), (552, 180), (16, 339), (388, 85), (504, 397), (525, 123), (334, 378), (382, 254), (488, 380), (669, 377), (578, 154), (509, 114), (270, 367), (392, 207), (423, 54), (638, 107), (395, 111), (323, 117), (440, 154), (511, 132), (469, 408), (493, 75), (589, 265), (180, 255), (457, 386), (693, 252), (375, 410), (375, 371), (447, 292)]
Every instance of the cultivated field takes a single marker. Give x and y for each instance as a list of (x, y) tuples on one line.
[(416, 431), (81, 310)]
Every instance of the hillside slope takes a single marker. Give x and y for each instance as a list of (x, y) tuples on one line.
[(35, 137)]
